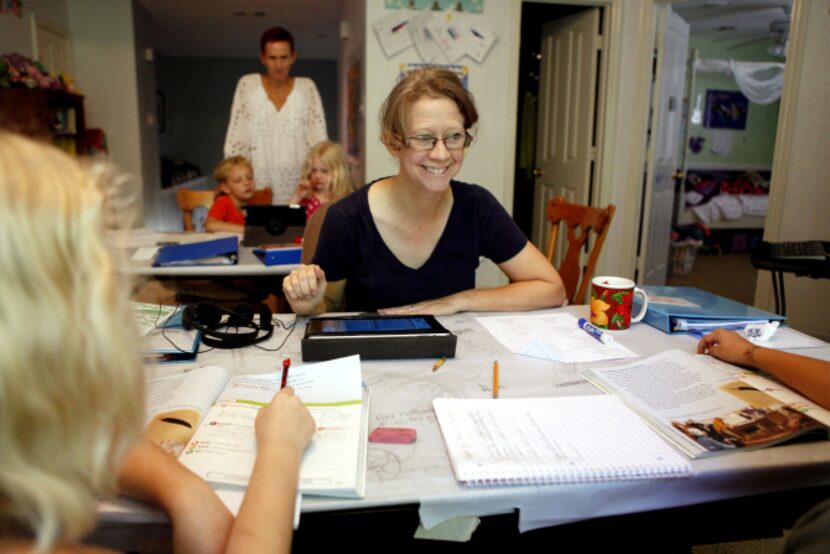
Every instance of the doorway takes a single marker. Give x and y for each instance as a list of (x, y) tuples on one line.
[(534, 17), (719, 165)]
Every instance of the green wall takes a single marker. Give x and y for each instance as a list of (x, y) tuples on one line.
[(751, 147)]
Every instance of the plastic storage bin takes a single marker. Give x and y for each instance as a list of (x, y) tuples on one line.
[(682, 256)]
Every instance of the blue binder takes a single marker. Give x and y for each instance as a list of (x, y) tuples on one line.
[(695, 310), (279, 254), (224, 251)]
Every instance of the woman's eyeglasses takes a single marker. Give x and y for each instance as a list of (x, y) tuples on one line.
[(454, 141)]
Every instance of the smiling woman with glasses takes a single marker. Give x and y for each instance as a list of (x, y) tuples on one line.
[(411, 243)]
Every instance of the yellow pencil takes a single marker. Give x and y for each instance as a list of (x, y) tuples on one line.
[(495, 379), (439, 363)]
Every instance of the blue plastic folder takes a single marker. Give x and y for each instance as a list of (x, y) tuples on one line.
[(687, 309), (224, 251), (171, 342), (279, 254)]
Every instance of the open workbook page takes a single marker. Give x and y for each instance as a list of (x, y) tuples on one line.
[(709, 407), (176, 405), (223, 449)]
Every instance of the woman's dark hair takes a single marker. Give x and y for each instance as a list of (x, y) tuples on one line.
[(427, 82), (276, 34)]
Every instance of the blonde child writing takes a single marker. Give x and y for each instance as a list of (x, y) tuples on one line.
[(325, 178), (236, 187), (73, 398)]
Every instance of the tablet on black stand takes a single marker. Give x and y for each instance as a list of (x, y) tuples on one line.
[(377, 337)]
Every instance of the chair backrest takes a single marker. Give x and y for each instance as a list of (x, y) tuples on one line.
[(580, 221), (262, 197), (189, 200), (312, 233)]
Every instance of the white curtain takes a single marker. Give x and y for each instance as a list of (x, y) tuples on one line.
[(761, 82)]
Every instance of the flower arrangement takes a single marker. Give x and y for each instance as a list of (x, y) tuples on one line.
[(17, 70)]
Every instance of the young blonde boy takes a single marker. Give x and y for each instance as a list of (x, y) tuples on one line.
[(236, 187)]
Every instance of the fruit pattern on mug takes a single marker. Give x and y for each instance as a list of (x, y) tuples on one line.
[(611, 308)]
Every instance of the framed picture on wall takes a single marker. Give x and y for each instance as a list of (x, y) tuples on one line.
[(725, 109)]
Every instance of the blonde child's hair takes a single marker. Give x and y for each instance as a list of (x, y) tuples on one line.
[(334, 157), (223, 168), (71, 386)]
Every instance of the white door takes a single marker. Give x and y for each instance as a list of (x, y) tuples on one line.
[(565, 147), (667, 98), (52, 48)]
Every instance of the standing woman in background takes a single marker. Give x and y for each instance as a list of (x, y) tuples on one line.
[(276, 118)]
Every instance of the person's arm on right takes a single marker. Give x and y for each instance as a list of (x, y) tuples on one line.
[(308, 292), (265, 521), (809, 376)]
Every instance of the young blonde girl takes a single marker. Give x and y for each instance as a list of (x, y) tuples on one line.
[(325, 178), (72, 390)]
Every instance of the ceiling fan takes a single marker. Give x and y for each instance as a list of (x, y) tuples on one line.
[(778, 33)]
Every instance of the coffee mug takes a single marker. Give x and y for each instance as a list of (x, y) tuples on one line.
[(611, 300)]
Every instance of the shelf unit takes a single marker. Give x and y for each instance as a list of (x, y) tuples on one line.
[(52, 115)]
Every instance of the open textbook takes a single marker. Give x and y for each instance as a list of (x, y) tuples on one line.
[(706, 406), (206, 418)]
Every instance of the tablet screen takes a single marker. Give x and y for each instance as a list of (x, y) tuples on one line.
[(373, 325)]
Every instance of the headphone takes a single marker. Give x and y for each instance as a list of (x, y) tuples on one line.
[(207, 317)]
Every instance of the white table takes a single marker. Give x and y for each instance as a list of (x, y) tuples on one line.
[(133, 242), (420, 473)]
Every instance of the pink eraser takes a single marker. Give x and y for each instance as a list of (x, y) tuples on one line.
[(392, 435)]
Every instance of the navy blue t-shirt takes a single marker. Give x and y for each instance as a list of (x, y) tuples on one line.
[(350, 247)]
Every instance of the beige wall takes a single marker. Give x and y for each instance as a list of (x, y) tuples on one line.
[(16, 32), (800, 190), (104, 48)]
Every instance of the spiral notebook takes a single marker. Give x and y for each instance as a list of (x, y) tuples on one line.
[(538, 441)]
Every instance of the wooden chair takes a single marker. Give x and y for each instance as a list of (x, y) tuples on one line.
[(262, 197), (586, 219), (189, 200)]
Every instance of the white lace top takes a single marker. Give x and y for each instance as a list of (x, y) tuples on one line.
[(276, 142)]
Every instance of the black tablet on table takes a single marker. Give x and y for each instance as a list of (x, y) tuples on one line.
[(273, 224), (377, 337)]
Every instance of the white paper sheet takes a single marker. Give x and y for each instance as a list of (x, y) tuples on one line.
[(787, 338), (556, 337), (392, 32), (422, 38), (448, 32)]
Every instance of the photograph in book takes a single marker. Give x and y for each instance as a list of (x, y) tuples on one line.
[(706, 407), (206, 418)]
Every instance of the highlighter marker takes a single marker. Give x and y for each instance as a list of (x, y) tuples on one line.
[(595, 332)]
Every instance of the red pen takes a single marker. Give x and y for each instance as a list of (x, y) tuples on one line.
[(286, 363)]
